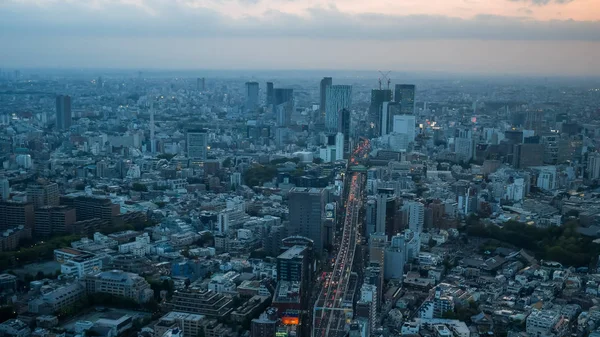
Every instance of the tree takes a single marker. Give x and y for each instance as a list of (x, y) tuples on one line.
[(227, 162), (139, 187), (318, 161)]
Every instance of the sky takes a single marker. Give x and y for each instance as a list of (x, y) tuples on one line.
[(526, 37)]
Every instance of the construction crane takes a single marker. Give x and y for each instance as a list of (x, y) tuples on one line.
[(385, 78)]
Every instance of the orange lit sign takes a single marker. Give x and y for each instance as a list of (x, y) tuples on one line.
[(290, 320)]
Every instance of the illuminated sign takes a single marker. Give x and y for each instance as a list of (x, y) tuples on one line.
[(290, 320), (281, 334)]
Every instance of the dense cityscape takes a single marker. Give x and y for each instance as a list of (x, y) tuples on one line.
[(177, 204)]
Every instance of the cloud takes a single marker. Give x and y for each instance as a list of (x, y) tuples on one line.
[(190, 18), (544, 2)]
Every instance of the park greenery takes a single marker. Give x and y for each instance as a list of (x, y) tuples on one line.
[(260, 174), (41, 251), (562, 244)]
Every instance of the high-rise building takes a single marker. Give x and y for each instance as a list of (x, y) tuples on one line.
[(463, 143), (527, 155), (282, 95), (534, 120), (14, 214), (196, 142), (270, 93), (50, 220), (388, 111), (344, 125), (386, 211), (307, 214), (416, 216), (405, 95), (593, 166), (63, 112), (378, 96), (251, 95), (4, 189), (325, 82), (264, 326), (46, 194), (395, 258), (338, 97), (293, 265)]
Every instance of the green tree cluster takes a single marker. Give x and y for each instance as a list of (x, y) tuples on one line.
[(561, 244), (139, 187), (259, 174), (41, 251)]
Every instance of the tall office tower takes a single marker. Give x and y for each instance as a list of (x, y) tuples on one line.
[(344, 125), (198, 83), (269, 98), (307, 214), (405, 95), (405, 126), (338, 97), (63, 112), (378, 96), (416, 216), (386, 210), (527, 155), (152, 140), (196, 142), (281, 95), (99, 83), (325, 82), (534, 120), (293, 265), (371, 217), (463, 143), (388, 111), (251, 95), (4, 189), (283, 114), (593, 166), (395, 258), (46, 194)]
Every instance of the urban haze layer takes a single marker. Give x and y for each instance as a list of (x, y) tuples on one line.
[(298, 203)]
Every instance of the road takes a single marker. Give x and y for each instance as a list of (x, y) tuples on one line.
[(333, 308)]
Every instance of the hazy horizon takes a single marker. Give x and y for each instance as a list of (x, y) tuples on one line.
[(512, 37)]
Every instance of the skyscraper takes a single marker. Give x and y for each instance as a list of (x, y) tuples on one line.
[(307, 214), (388, 111), (378, 96), (281, 95), (269, 98), (338, 97), (63, 112), (593, 166), (416, 216), (325, 82), (405, 95), (196, 141), (4, 189), (344, 121), (251, 95)]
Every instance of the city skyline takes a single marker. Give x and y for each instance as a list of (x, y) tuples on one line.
[(539, 37)]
